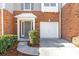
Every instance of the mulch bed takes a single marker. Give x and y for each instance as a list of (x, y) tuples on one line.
[(13, 52), (36, 45)]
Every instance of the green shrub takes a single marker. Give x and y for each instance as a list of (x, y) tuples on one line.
[(6, 42), (34, 38)]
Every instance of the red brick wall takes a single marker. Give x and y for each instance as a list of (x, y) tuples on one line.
[(41, 17), (9, 22), (70, 21)]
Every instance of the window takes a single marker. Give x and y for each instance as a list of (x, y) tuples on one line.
[(46, 4), (53, 4), (49, 4), (27, 6), (36, 6), (22, 6), (31, 6)]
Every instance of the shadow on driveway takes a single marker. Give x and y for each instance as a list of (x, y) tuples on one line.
[(52, 42)]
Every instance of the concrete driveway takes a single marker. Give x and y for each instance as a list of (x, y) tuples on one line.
[(57, 47)]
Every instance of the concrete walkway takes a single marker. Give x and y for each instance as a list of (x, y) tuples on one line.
[(59, 51), (57, 47), (24, 48)]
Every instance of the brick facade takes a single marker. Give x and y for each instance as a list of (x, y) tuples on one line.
[(41, 17), (70, 21), (9, 22)]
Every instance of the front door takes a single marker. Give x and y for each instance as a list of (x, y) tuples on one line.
[(25, 28)]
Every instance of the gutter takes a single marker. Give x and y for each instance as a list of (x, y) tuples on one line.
[(60, 15)]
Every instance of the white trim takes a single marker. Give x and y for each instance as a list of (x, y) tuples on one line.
[(21, 28), (2, 10), (22, 17), (25, 15), (3, 4), (18, 29), (25, 19), (30, 7), (22, 21), (33, 24), (42, 7), (24, 6)]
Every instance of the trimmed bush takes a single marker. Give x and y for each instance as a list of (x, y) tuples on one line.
[(34, 37), (6, 42)]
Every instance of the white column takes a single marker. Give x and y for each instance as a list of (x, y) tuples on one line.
[(42, 7), (18, 23), (3, 6), (34, 24)]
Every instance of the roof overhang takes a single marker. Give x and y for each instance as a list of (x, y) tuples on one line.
[(25, 15)]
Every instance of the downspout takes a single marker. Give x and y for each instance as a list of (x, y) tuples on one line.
[(60, 15), (2, 18)]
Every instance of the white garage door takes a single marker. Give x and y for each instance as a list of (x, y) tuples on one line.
[(48, 29)]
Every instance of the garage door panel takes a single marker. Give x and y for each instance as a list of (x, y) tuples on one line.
[(49, 29)]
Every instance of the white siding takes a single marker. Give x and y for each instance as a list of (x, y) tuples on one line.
[(9, 7), (17, 6), (0, 5), (12, 6), (36, 7)]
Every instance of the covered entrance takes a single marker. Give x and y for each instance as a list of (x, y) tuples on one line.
[(26, 26), (25, 23)]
